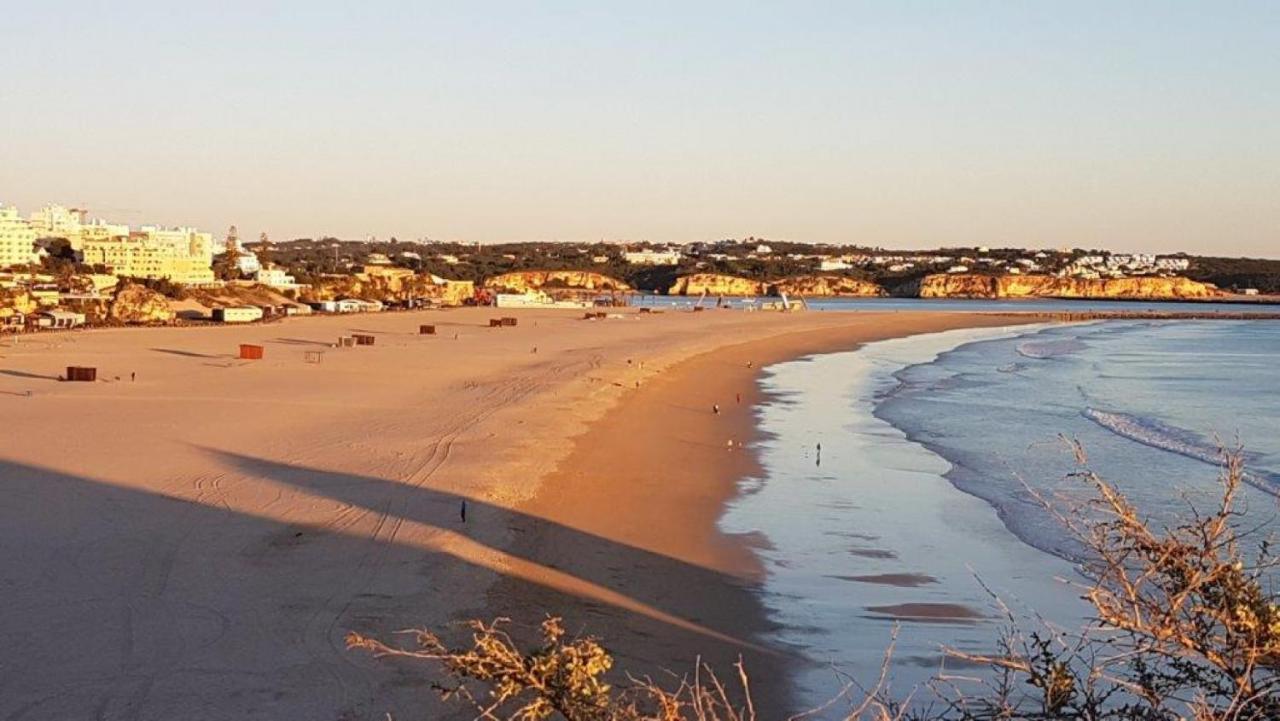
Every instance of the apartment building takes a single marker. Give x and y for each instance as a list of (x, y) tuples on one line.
[(17, 239), (182, 255)]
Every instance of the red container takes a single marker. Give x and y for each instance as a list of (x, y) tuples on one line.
[(250, 352)]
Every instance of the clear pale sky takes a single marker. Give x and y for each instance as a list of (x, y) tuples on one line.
[(1131, 125)]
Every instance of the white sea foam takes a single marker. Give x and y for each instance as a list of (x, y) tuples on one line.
[(1154, 433), (1042, 349)]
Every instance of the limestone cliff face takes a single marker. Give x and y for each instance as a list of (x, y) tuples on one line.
[(519, 282), (1044, 286), (802, 285), (716, 284), (389, 287), (827, 285), (139, 304)]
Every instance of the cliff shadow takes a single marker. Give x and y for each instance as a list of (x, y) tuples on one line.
[(684, 611), (124, 602)]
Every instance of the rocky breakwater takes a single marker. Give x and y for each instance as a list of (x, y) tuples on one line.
[(1045, 286), (524, 281)]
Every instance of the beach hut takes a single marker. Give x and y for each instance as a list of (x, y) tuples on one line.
[(508, 321), (250, 352), (495, 322), (426, 330), (314, 356), (363, 339), (61, 319), (237, 314), (346, 341), (82, 374)]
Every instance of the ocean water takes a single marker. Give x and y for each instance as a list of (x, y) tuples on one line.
[(1152, 404), (966, 305), (916, 512)]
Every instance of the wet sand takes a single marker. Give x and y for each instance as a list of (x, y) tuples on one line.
[(655, 473), (196, 543)]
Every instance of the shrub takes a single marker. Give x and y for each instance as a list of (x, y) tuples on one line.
[(1185, 628)]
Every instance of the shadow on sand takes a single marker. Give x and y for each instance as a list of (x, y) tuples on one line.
[(301, 341), (32, 376), (187, 353), (126, 603)]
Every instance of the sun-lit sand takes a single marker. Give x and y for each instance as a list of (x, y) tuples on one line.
[(196, 543)]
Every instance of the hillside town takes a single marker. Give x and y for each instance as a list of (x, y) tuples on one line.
[(60, 269)]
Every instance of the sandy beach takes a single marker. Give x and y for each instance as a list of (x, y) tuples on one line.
[(195, 543)]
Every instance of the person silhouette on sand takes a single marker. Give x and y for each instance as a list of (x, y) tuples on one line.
[(463, 511)]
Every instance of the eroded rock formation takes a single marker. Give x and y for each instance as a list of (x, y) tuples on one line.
[(521, 281), (138, 304), (1045, 286)]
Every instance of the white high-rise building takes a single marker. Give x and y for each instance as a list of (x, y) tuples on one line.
[(55, 221), (17, 239)]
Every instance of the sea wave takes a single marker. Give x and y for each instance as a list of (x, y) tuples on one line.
[(1157, 434), (1042, 349)]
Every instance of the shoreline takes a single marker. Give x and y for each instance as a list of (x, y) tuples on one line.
[(666, 452), (887, 541), (213, 529)]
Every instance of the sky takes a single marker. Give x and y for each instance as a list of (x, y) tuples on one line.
[(1137, 126)]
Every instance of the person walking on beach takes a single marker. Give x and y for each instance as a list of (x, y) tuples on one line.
[(715, 409), (463, 511), (133, 377), (738, 397)]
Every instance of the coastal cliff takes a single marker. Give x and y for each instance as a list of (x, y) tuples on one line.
[(391, 286), (827, 285), (522, 281), (801, 285), (137, 304), (1044, 286), (716, 284)]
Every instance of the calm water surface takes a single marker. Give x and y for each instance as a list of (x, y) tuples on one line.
[(915, 510)]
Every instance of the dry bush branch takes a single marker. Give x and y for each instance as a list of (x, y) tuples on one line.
[(1185, 627)]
